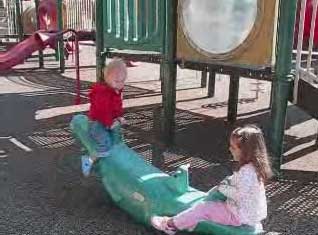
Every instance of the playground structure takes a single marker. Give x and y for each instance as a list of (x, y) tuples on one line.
[(174, 34), (17, 54), (26, 17), (46, 12), (40, 19), (51, 19), (39, 41), (22, 15), (159, 46)]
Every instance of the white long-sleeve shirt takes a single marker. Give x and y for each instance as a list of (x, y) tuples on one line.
[(245, 195)]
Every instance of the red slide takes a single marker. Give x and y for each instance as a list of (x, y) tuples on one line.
[(17, 54)]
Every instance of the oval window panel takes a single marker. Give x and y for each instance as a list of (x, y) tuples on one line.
[(218, 26)]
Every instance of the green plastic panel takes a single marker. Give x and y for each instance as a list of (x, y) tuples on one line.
[(134, 24)]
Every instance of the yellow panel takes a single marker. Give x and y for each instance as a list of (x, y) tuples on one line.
[(255, 51)]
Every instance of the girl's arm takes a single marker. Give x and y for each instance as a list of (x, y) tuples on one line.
[(228, 186)]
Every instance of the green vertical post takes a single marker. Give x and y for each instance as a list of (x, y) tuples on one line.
[(99, 39), (18, 5), (169, 73), (233, 98), (41, 60), (60, 28), (282, 79)]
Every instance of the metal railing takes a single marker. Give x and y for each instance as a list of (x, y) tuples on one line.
[(80, 14), (11, 10), (306, 69)]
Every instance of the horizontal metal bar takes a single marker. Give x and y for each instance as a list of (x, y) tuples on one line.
[(306, 52), (149, 58), (262, 73), (307, 75)]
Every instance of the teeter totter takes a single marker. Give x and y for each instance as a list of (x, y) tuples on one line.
[(141, 189)]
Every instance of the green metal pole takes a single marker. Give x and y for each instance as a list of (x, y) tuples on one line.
[(100, 59), (18, 5), (282, 79), (169, 73), (60, 28), (41, 60), (233, 98)]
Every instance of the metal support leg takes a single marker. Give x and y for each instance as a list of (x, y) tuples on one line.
[(169, 102), (99, 40), (233, 98), (41, 59), (161, 74), (211, 86), (19, 10), (169, 74), (271, 97), (60, 41), (204, 78)]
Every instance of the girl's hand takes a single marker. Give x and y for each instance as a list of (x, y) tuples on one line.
[(214, 195), (226, 181)]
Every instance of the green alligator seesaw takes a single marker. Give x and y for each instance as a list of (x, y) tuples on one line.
[(143, 190)]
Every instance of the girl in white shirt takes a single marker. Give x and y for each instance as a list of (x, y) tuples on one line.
[(244, 190)]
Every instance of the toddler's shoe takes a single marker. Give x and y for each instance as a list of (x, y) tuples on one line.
[(87, 164)]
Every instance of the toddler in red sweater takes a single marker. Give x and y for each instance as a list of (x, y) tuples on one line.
[(106, 109)]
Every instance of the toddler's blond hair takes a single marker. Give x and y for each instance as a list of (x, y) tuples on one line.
[(116, 64)]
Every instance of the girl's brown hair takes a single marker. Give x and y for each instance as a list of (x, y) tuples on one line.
[(250, 140)]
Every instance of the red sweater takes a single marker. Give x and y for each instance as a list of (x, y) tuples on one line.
[(106, 104)]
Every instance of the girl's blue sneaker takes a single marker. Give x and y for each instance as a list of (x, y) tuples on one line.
[(87, 164)]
